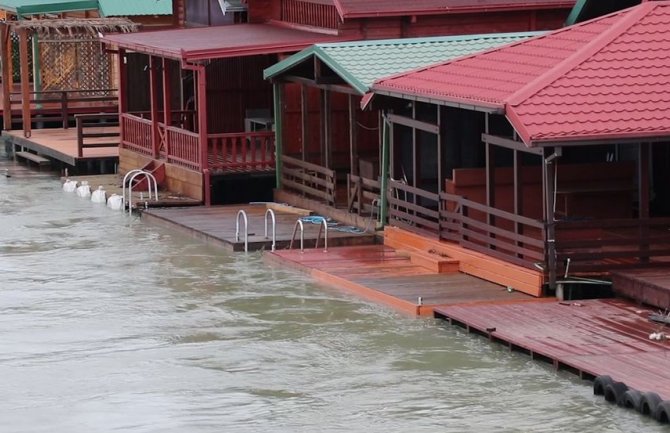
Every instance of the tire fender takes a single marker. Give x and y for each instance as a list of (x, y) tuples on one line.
[(631, 399), (614, 392), (649, 402), (599, 384), (662, 412)]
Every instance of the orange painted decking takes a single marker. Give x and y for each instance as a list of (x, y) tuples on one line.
[(591, 337), (380, 273), (61, 144)]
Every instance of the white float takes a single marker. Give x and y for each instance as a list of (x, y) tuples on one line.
[(99, 195), (69, 185), (115, 202), (84, 190)]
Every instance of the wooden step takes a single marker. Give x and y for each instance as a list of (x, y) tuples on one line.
[(431, 260), (37, 159), (471, 262)]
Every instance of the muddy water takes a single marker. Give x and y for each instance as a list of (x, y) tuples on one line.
[(108, 324)]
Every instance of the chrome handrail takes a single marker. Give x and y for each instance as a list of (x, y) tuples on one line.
[(150, 178), (298, 223), (274, 227), (246, 229), (324, 225)]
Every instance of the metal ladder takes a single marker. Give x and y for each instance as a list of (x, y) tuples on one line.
[(274, 227), (242, 213), (323, 228), (151, 180)]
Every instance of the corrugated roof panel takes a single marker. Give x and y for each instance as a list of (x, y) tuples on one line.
[(360, 8), (125, 8), (30, 7), (599, 79)]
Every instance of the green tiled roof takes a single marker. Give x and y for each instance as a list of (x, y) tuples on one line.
[(125, 8), (29, 7), (361, 63)]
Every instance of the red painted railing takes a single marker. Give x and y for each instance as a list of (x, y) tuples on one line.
[(242, 151), (136, 134), (309, 14), (181, 147)]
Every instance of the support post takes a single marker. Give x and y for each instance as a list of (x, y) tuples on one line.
[(122, 95), (327, 128), (304, 103), (25, 82), (37, 68), (353, 137), (644, 158), (279, 121), (5, 60), (167, 103), (383, 211), (153, 96), (203, 132), (549, 177)]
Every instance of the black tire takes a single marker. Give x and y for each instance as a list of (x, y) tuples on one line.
[(649, 402), (662, 412), (631, 399), (600, 383), (614, 392)]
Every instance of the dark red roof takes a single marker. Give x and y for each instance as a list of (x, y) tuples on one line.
[(367, 8), (219, 42), (602, 79)]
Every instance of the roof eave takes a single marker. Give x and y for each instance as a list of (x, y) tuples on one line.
[(465, 104), (598, 139), (73, 6), (461, 10)]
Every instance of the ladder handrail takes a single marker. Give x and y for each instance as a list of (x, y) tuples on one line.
[(302, 235), (274, 227), (246, 229), (324, 225), (123, 184), (150, 177)]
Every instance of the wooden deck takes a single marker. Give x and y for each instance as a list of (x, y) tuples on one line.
[(591, 338), (216, 225), (381, 274), (649, 286), (61, 144)]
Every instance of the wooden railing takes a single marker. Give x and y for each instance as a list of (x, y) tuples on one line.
[(181, 147), (492, 231), (413, 208), (136, 134), (311, 180), (364, 195), (243, 151), (603, 245), (309, 14), (62, 105), (97, 126)]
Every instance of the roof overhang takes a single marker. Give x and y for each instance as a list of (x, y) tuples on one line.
[(465, 104), (209, 43), (24, 8)]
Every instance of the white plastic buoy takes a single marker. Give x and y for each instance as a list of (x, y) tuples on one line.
[(70, 185), (115, 202), (84, 190), (99, 195)]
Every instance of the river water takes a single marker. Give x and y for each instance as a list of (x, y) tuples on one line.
[(109, 324)]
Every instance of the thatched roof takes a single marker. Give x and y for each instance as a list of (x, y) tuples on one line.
[(76, 26)]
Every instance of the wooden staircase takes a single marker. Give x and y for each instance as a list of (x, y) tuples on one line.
[(157, 168), (446, 257)]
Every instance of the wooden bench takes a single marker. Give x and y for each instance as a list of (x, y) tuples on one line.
[(37, 159)]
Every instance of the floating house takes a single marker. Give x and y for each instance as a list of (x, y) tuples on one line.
[(550, 154), (203, 113), (336, 171)]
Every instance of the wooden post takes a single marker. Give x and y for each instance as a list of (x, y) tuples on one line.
[(5, 35), (327, 126), (386, 144), (167, 102), (549, 177), (353, 137), (440, 180), (518, 192), (25, 82), (203, 131), (153, 96), (304, 103), (122, 94), (279, 121), (644, 158)]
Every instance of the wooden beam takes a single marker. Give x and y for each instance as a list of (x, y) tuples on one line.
[(550, 187), (203, 131), (167, 93), (643, 179), (339, 88), (412, 123), (6, 81), (278, 92), (123, 82), (25, 81), (510, 144), (353, 137), (304, 103)]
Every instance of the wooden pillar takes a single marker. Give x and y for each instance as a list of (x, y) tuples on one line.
[(304, 105), (5, 60), (386, 148), (643, 171), (353, 137), (203, 130), (518, 191), (167, 101), (440, 180), (153, 97), (549, 168), (25, 82), (326, 129), (123, 94), (415, 154), (279, 122), (490, 174)]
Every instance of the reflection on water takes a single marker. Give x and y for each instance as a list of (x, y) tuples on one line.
[(110, 324)]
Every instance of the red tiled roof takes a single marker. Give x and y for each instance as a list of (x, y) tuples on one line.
[(603, 79), (219, 42), (366, 8)]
